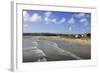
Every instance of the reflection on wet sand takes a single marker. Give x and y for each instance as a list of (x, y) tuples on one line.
[(36, 49)]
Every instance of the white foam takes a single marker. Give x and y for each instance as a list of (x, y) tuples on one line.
[(63, 51)]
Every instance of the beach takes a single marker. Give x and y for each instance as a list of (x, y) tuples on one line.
[(55, 48)]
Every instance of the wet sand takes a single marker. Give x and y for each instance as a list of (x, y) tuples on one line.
[(68, 49)]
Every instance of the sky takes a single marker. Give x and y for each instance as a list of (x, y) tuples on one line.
[(39, 21)]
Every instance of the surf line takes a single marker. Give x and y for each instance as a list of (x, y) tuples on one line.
[(64, 51)]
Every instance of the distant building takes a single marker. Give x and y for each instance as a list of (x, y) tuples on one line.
[(76, 36), (82, 35), (86, 35)]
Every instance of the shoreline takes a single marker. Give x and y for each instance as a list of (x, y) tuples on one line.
[(78, 47), (78, 40)]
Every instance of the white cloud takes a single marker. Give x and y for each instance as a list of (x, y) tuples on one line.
[(71, 21), (35, 17), (79, 15), (26, 16), (83, 20), (47, 14), (58, 21), (47, 19), (54, 20), (25, 13), (62, 20)]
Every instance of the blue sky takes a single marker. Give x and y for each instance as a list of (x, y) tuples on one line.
[(39, 21)]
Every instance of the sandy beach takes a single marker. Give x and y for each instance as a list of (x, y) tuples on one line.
[(67, 48), (80, 50)]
